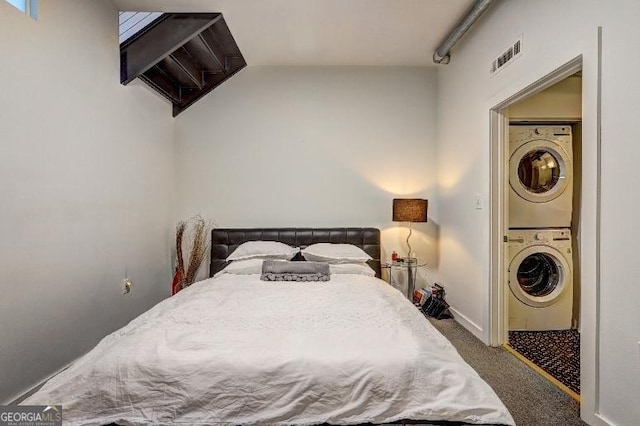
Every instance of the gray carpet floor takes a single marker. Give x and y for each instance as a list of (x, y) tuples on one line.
[(531, 399)]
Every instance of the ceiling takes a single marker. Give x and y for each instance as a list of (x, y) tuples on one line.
[(327, 32)]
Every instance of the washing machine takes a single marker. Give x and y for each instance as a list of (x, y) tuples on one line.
[(540, 279), (540, 176)]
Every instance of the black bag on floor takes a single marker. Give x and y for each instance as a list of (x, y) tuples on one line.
[(435, 306)]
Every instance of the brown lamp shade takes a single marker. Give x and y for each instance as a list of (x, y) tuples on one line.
[(410, 210)]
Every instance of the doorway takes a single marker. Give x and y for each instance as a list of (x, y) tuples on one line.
[(539, 176), (543, 152), (589, 62), (584, 54)]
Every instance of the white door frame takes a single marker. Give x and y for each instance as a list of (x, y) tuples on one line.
[(500, 194), (587, 59)]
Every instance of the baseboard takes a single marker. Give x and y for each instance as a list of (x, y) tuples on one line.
[(17, 399), (471, 326), (596, 419), (601, 421)]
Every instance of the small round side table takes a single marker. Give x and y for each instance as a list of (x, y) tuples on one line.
[(411, 267)]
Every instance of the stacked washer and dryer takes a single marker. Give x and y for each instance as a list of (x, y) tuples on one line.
[(540, 211)]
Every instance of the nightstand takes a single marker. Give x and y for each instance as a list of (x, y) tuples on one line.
[(411, 268)]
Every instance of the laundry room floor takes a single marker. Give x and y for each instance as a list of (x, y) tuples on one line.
[(555, 352)]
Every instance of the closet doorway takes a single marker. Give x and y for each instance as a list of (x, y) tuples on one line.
[(543, 153), (584, 71)]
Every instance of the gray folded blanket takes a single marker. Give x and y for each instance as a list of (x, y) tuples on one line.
[(280, 270)]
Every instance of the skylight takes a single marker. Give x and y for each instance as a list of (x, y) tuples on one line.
[(30, 7), (132, 22)]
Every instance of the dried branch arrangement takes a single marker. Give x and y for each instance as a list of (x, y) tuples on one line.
[(197, 229)]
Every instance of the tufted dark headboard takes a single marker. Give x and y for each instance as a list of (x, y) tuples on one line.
[(225, 240)]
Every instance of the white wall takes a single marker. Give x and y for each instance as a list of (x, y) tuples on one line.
[(562, 101), (86, 189), (308, 146), (465, 91)]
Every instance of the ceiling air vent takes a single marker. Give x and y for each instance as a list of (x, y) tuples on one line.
[(508, 56)]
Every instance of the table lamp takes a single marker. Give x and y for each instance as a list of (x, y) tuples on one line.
[(410, 210)]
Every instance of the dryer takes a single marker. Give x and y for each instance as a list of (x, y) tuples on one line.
[(540, 176), (540, 279)]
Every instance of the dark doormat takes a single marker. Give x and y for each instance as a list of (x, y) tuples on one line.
[(556, 352)]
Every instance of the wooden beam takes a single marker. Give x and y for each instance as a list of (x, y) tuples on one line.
[(190, 100), (213, 48), (168, 33), (162, 84), (182, 59)]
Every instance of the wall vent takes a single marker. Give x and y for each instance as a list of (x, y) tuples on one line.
[(506, 57)]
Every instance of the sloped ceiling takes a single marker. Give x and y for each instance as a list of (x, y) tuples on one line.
[(327, 32)]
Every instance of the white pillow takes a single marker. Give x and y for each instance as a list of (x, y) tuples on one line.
[(335, 253), (264, 250), (352, 268), (243, 267)]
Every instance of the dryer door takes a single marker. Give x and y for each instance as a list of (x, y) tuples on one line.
[(538, 276), (538, 170)]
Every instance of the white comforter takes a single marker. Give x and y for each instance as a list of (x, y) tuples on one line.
[(237, 350)]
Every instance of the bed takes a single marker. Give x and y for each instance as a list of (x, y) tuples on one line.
[(233, 349)]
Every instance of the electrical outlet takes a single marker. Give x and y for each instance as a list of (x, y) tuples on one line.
[(127, 284)]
